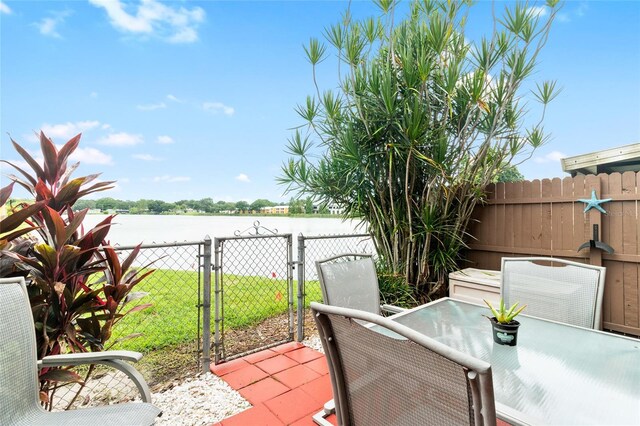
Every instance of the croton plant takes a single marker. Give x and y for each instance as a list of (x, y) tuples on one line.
[(78, 287)]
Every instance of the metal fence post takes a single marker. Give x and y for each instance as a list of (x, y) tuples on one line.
[(301, 265), (216, 308), (290, 282), (206, 315)]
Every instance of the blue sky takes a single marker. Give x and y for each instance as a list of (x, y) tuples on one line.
[(194, 99)]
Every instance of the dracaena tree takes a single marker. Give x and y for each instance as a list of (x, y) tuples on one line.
[(79, 289), (422, 119)]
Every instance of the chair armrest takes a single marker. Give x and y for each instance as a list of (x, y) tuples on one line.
[(114, 359), (89, 358), (392, 308)]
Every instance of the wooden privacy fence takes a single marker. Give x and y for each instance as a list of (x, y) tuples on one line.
[(545, 218)]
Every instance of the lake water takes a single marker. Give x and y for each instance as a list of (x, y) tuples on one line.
[(147, 229), (258, 257)]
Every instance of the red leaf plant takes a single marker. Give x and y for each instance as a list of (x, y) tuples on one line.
[(78, 287)]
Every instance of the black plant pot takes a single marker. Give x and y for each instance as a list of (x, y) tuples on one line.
[(505, 334)]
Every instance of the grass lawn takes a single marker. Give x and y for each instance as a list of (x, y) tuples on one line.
[(173, 317)]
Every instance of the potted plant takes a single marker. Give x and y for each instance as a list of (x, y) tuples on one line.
[(505, 328)]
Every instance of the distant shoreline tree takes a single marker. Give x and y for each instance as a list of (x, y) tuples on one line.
[(422, 120)]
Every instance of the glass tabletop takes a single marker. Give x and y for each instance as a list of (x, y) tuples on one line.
[(557, 374)]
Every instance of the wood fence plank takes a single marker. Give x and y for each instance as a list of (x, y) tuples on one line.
[(526, 215), (509, 211), (490, 234), (499, 230), (612, 223), (631, 308), (546, 237), (536, 215), (566, 216), (631, 287), (518, 232), (579, 220), (556, 214)]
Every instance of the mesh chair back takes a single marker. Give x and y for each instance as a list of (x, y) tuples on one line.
[(18, 368), (398, 376), (558, 290), (350, 283)]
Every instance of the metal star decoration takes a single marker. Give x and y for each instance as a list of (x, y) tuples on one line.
[(593, 202)]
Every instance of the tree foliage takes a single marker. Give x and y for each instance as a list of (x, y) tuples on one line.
[(422, 120)]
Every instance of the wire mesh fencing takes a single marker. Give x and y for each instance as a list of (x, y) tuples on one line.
[(253, 294), (164, 324), (312, 249)]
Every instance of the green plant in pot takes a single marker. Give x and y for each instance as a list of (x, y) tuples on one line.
[(505, 327)]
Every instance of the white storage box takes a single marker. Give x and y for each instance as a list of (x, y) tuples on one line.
[(473, 285)]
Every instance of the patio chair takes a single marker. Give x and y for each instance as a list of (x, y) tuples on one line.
[(19, 387), (352, 283), (397, 376), (558, 290)]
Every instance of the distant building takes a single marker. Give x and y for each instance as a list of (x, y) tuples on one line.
[(335, 209), (275, 210)]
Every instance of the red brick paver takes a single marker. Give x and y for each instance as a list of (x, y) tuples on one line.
[(292, 406), (254, 416), (244, 376), (296, 376), (287, 347), (263, 390), (303, 355), (276, 364), (286, 385)]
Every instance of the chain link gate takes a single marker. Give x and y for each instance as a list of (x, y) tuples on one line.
[(314, 248), (253, 292)]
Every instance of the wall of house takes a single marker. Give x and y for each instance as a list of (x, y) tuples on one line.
[(545, 218)]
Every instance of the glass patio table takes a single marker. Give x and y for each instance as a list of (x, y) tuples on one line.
[(557, 374)]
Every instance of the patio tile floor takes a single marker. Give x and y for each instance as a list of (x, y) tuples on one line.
[(286, 386), (288, 397)]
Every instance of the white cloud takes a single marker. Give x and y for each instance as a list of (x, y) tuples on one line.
[(146, 157), (171, 179), (151, 107), (68, 130), (552, 157), (49, 26), (4, 8), (538, 11), (91, 156), (165, 140), (121, 139), (174, 99), (216, 107), (243, 178), (93, 95), (582, 8), (172, 24)]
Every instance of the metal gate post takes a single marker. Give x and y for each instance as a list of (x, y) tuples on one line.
[(217, 344), (300, 264), (206, 315), (290, 282)]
